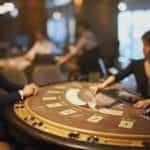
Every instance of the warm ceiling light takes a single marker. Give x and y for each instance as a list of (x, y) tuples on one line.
[(9, 6), (78, 2), (57, 15), (14, 13), (3, 10), (122, 6)]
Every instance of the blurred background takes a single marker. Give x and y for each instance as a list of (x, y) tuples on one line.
[(118, 25)]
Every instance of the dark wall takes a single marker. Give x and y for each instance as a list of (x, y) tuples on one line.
[(32, 15), (102, 15), (31, 18)]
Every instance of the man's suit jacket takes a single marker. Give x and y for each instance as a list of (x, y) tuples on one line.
[(5, 99), (11, 88)]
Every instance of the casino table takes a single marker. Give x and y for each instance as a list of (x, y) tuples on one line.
[(69, 116)]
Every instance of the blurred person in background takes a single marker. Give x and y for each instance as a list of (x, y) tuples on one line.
[(14, 93), (39, 54), (86, 51), (41, 46)]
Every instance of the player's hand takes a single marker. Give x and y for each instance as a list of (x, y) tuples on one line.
[(142, 104), (30, 90), (60, 60), (97, 88)]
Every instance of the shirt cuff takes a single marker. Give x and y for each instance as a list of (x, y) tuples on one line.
[(21, 94)]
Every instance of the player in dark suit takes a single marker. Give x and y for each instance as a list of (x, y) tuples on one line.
[(15, 92)]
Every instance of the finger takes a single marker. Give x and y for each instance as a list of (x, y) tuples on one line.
[(35, 89), (35, 92), (139, 105)]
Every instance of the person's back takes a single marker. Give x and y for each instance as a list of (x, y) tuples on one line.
[(90, 41), (41, 46), (89, 54)]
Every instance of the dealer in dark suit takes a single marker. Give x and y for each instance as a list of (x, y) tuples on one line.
[(15, 92)]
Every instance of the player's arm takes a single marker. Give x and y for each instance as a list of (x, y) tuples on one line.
[(81, 45), (112, 79), (30, 55), (74, 51), (28, 90), (63, 59)]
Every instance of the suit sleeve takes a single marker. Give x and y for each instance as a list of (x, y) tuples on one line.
[(9, 98), (9, 86), (124, 73)]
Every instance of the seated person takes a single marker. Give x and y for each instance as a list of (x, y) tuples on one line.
[(15, 93), (40, 53), (41, 46), (86, 51), (141, 70)]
